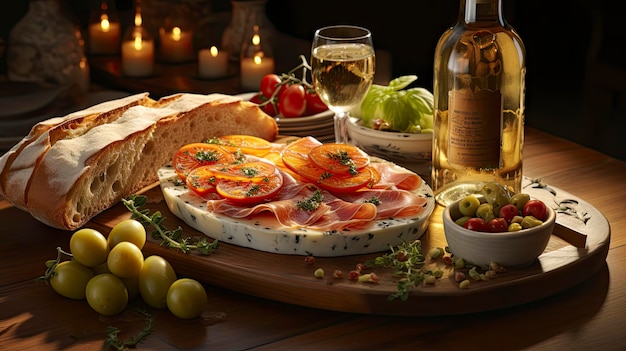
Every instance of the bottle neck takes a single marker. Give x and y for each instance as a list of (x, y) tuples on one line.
[(473, 11)]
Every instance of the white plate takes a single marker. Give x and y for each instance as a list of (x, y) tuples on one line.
[(267, 235), (284, 122)]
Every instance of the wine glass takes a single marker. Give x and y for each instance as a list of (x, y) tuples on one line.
[(342, 69)]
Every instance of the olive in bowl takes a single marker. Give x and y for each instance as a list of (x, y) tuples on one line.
[(508, 248)]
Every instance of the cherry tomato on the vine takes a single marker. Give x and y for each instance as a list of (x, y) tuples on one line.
[(292, 102), (314, 103), (270, 109), (269, 83)]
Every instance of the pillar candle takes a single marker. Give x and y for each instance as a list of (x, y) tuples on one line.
[(104, 37), (138, 57), (212, 63), (176, 45), (253, 69)]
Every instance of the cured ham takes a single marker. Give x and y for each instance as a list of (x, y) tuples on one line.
[(304, 201)]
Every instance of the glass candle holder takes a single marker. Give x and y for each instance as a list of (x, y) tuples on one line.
[(256, 60), (104, 30)]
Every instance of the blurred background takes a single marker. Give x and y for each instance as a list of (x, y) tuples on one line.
[(574, 77)]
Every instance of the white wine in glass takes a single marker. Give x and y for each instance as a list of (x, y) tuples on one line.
[(342, 68)]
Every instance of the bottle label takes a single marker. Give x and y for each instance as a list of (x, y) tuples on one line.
[(475, 128)]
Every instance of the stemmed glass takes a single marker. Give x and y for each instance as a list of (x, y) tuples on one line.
[(342, 69)]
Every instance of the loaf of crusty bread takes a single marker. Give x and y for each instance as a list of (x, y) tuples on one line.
[(69, 169)]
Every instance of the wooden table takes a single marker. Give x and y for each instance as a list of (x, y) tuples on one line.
[(588, 316)]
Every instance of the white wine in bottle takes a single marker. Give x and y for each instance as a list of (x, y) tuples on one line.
[(479, 91)]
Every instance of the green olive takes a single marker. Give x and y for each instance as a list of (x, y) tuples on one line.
[(519, 200), (530, 221), (485, 211), (89, 247), (155, 279), (186, 298), (461, 221), (468, 205), (70, 279), (106, 294)]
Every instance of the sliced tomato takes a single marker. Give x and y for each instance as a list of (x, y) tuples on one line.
[(346, 183), (247, 144), (194, 155), (201, 180), (336, 183), (339, 158), (250, 192), (249, 171)]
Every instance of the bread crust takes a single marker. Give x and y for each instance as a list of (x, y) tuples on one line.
[(18, 164), (77, 177)]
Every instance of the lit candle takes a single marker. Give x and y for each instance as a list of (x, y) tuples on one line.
[(253, 69), (176, 45), (104, 36), (212, 63), (138, 57)]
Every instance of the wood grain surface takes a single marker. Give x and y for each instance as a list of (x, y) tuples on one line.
[(587, 316)]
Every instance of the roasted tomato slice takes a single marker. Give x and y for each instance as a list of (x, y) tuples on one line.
[(339, 158), (194, 155), (247, 144), (249, 171), (337, 183), (201, 180), (247, 192)]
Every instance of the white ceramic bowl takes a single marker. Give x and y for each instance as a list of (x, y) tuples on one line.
[(392, 146), (508, 249)]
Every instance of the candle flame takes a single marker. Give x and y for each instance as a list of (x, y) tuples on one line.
[(214, 51), (104, 23), (256, 39), (138, 19), (258, 59), (176, 33), (138, 43)]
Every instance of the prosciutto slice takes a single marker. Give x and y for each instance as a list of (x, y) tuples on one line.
[(391, 197), (331, 214)]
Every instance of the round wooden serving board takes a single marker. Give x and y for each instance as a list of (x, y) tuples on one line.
[(288, 279)]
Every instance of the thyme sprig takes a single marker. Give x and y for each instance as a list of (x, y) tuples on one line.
[(407, 261), (171, 238), (113, 340)]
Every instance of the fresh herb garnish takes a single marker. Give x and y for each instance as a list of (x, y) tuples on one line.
[(249, 171), (253, 190), (373, 200), (407, 261), (113, 340), (207, 156), (312, 203), (344, 158), (171, 238)]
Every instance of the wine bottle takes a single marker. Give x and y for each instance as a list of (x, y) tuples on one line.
[(479, 92)]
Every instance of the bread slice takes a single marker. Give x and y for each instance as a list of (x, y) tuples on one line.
[(82, 174)]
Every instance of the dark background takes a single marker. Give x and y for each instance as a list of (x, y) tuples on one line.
[(573, 77)]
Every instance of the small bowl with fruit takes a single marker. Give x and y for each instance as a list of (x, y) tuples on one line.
[(510, 230), (395, 123)]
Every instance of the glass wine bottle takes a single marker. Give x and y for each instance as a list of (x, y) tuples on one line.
[(479, 92)]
